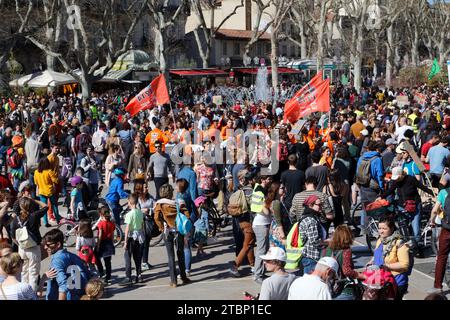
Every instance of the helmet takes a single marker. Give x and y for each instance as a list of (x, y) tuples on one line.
[(119, 171)]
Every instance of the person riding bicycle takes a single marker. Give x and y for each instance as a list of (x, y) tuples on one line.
[(408, 198), (369, 177), (115, 193)]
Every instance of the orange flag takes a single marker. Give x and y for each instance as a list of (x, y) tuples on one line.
[(313, 97), (154, 94)]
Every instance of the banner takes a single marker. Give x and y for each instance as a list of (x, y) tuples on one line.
[(153, 95), (420, 98), (313, 97)]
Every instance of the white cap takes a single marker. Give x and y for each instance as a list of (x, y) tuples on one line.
[(274, 253), (396, 173), (365, 123), (401, 148), (365, 132), (330, 263)]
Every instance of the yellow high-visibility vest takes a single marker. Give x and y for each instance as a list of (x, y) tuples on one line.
[(257, 200), (293, 254), (413, 117)]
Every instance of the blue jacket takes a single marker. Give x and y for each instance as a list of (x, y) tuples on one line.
[(189, 174), (116, 191), (376, 167), (67, 278)]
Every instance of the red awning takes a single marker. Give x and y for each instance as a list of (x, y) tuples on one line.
[(199, 73), (281, 70)]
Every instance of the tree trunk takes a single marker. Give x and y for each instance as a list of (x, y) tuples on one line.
[(50, 61), (320, 37), (415, 49), (357, 72), (303, 42), (442, 53), (86, 87), (159, 50), (389, 55), (274, 63)]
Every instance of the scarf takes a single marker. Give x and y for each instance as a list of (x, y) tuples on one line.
[(390, 242)]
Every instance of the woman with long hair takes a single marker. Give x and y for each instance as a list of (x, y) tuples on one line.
[(137, 163), (30, 252), (340, 249), (145, 203), (113, 161), (336, 189), (280, 224), (46, 182)]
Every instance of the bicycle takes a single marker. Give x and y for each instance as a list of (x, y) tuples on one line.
[(69, 229), (157, 235)]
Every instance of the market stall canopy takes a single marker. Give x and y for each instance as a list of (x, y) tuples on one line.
[(199, 72), (281, 70), (111, 75), (43, 79)]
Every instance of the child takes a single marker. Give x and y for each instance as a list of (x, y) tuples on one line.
[(201, 229), (94, 290), (134, 239), (85, 243), (77, 207), (105, 245)]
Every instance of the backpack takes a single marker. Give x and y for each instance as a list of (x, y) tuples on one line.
[(23, 237), (445, 222), (82, 142), (363, 172), (13, 158), (237, 204), (66, 171)]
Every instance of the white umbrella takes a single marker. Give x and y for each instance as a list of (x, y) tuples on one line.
[(43, 79)]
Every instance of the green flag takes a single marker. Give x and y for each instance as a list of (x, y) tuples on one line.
[(435, 69)]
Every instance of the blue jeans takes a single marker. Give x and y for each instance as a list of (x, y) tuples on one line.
[(345, 296), (188, 249), (414, 218), (116, 209), (54, 203), (307, 265)]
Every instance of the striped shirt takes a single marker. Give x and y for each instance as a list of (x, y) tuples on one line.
[(298, 208), (19, 291)]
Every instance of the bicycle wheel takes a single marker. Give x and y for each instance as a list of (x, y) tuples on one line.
[(68, 229), (358, 207), (371, 234), (118, 236)]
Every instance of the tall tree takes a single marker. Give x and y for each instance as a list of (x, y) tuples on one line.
[(257, 32), (163, 16), (300, 17), (356, 13), (204, 44), (280, 10), (93, 26), (438, 25)]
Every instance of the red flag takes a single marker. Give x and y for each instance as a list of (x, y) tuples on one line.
[(313, 97), (154, 94)]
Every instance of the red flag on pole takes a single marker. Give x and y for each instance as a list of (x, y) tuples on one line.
[(154, 94), (313, 97)]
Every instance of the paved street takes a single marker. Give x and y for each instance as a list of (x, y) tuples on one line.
[(211, 280)]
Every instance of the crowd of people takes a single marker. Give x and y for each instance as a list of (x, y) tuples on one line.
[(293, 221)]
